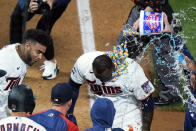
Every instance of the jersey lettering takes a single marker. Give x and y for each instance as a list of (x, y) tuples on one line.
[(102, 89), (13, 81), (9, 127), (15, 127)]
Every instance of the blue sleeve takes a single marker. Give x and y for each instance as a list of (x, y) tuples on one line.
[(76, 88), (23, 4), (148, 104), (187, 121)]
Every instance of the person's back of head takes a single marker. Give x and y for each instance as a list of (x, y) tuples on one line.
[(103, 68), (101, 63), (21, 99), (102, 113), (37, 35), (62, 94)]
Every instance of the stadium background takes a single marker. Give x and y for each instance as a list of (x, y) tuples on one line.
[(108, 16)]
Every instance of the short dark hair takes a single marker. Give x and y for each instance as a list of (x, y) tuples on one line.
[(101, 63), (37, 35)]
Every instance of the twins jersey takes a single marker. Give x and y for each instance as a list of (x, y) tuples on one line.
[(16, 70), (15, 123), (126, 92)]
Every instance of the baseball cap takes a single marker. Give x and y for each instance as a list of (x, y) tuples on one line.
[(61, 93)]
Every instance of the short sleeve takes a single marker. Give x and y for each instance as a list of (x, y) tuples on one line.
[(77, 73), (142, 87)]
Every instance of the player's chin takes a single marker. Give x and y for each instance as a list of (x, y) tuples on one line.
[(31, 63)]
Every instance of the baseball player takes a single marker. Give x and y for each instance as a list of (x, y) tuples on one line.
[(50, 11), (126, 90), (15, 60), (163, 50), (21, 101), (54, 119)]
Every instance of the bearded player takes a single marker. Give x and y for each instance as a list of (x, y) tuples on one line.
[(128, 91), (15, 60)]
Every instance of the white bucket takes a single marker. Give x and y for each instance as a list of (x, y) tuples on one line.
[(150, 23)]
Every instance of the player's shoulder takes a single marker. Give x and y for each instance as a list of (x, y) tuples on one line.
[(33, 123), (131, 63), (8, 51), (9, 57), (21, 120)]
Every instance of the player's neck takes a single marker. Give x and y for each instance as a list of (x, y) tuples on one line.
[(22, 114), (61, 109), (19, 50)]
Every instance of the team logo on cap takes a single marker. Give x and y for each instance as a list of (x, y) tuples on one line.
[(56, 100)]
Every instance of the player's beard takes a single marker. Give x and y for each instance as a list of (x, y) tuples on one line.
[(28, 58)]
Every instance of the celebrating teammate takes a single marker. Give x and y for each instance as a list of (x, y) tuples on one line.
[(54, 119), (126, 87), (164, 47), (21, 101), (15, 60), (51, 11)]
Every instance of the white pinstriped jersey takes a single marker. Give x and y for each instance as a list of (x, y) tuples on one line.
[(126, 92), (16, 69), (15, 123)]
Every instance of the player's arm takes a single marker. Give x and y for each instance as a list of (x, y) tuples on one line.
[(75, 81), (70, 112), (76, 88), (143, 92)]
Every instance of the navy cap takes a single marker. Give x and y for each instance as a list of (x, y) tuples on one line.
[(61, 93), (2, 73)]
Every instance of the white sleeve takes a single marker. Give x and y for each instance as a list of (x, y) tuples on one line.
[(77, 73), (7, 68), (142, 86)]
